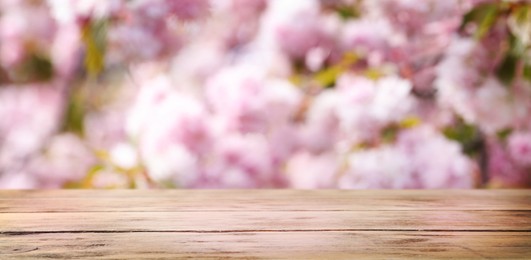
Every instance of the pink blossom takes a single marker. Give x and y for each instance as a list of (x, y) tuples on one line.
[(295, 27), (321, 129), (409, 16), (241, 161), (17, 180), (415, 161), (366, 106), (519, 146), (86, 8), (170, 128), (155, 89), (143, 38), (179, 119), (174, 163), (421, 34), (370, 38), (65, 51), (228, 94), (124, 156), (283, 141), (251, 101), (384, 167), (424, 147), (105, 129), (197, 62), (234, 22), (28, 116), (66, 158), (307, 171), (183, 9), (25, 28), (502, 170), (482, 101), (494, 108)]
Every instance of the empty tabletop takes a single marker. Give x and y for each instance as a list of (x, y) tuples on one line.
[(266, 224)]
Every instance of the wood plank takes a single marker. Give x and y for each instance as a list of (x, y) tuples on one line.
[(261, 200), (267, 221), (276, 245), (281, 224)]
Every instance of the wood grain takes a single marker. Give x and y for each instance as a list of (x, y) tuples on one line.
[(286, 245), (261, 200), (266, 224)]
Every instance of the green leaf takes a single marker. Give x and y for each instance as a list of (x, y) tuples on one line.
[(507, 69), (527, 72), (167, 184), (503, 134), (522, 16), (348, 12), (389, 133), (484, 16), (467, 135), (75, 113), (40, 68), (328, 76), (488, 17), (373, 73), (94, 36), (516, 46), (523, 13), (35, 68), (410, 122)]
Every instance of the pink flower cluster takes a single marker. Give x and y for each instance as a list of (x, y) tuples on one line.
[(306, 94)]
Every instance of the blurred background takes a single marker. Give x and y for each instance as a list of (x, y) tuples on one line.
[(348, 94)]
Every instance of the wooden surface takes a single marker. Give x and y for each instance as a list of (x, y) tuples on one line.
[(277, 224)]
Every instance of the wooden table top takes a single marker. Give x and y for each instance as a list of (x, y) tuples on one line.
[(277, 224)]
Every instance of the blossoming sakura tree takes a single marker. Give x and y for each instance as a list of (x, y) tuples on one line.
[(265, 93)]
